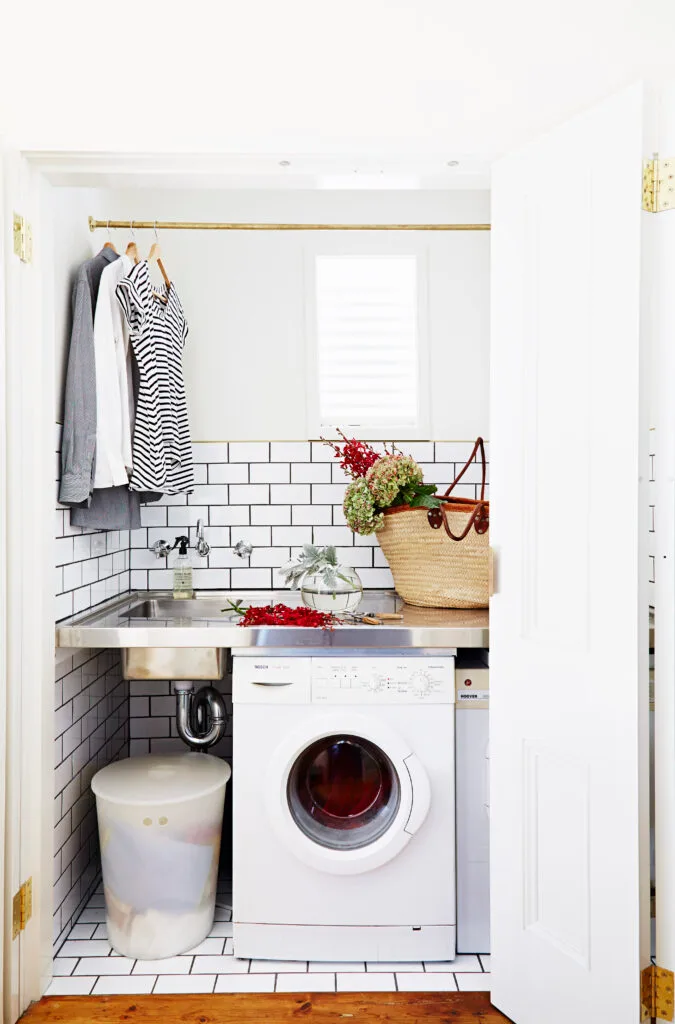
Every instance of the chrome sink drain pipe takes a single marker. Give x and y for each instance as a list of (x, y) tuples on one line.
[(201, 717)]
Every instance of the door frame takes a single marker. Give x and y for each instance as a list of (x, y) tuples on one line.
[(26, 528)]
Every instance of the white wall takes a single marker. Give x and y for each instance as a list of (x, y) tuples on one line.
[(244, 297)]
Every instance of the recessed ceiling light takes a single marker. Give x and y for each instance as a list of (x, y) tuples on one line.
[(284, 163), (453, 163)]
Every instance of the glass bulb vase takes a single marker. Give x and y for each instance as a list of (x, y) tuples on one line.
[(342, 594)]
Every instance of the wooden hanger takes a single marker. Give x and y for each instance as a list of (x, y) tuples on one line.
[(156, 255), (132, 248), (109, 244)]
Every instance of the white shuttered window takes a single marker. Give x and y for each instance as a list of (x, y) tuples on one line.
[(367, 320)]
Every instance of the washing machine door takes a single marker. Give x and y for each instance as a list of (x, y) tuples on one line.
[(346, 794)]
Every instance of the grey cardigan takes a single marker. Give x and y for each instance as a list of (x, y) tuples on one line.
[(78, 448)]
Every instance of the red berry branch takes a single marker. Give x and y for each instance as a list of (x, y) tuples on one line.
[(282, 615), (356, 457)]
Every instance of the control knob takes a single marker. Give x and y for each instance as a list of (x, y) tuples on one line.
[(421, 684), (376, 684)]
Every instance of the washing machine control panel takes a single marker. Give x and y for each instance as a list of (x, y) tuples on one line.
[(383, 680)]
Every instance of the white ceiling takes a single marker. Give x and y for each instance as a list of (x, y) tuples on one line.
[(263, 171), (428, 80)]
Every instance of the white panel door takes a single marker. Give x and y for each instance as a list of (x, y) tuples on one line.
[(26, 547), (568, 622)]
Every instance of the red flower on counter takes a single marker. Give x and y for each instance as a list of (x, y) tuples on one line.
[(282, 615)]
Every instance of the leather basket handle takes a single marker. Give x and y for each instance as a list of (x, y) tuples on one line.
[(478, 447), (480, 517)]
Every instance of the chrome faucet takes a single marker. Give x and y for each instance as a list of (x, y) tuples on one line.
[(161, 548), (201, 547)]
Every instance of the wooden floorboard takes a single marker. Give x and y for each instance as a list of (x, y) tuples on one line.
[(341, 1008)]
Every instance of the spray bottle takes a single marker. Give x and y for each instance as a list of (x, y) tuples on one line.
[(182, 571)]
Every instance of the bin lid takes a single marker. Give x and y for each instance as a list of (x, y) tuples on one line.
[(160, 778)]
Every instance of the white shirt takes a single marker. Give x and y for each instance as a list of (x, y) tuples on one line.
[(114, 385)]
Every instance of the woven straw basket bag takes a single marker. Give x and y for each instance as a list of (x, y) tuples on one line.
[(439, 557)]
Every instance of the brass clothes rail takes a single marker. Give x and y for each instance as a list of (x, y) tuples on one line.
[(195, 225)]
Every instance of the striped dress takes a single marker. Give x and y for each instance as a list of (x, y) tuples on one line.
[(161, 447)]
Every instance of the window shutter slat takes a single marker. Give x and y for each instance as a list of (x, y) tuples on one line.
[(367, 312)]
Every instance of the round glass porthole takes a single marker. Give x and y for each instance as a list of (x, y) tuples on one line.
[(343, 792)]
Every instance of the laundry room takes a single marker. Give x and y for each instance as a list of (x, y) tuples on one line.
[(293, 335), (310, 704)]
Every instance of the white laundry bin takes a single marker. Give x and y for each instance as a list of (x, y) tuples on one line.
[(159, 821)]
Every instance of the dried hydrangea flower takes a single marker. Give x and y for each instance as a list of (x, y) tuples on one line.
[(389, 475), (359, 509)]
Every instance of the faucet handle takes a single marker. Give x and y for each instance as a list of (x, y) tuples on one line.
[(161, 548), (202, 547), (242, 549)]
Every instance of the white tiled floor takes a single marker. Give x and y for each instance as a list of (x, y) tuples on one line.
[(86, 965)]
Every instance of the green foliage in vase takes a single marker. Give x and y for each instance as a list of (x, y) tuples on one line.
[(314, 561)]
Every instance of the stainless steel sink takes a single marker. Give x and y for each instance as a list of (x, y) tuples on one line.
[(198, 663), (168, 608)]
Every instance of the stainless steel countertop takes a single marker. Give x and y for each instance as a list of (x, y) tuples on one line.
[(110, 625)]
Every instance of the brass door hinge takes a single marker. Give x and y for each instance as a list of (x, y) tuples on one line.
[(23, 239), (656, 989), (658, 184), (22, 907)]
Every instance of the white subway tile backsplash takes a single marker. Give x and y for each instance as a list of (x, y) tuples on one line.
[(290, 536), (310, 473), (253, 494), (90, 571), (312, 515), (226, 473), (290, 494), (333, 535), (356, 557), (209, 494), (181, 499), (377, 579), (82, 599), (153, 515), (328, 494), (269, 557), (257, 579), (272, 515), (82, 546), (249, 451), (160, 579), (452, 451), (290, 451), (63, 550), (232, 515), (98, 544), (187, 515), (209, 451), (217, 536), (269, 473), (112, 541), (322, 452), (256, 535), (224, 558), (421, 451), (72, 576), (143, 559), (211, 579), (144, 728)]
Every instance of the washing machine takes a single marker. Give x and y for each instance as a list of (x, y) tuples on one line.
[(344, 816)]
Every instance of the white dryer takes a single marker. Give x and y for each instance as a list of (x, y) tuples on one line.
[(344, 817)]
